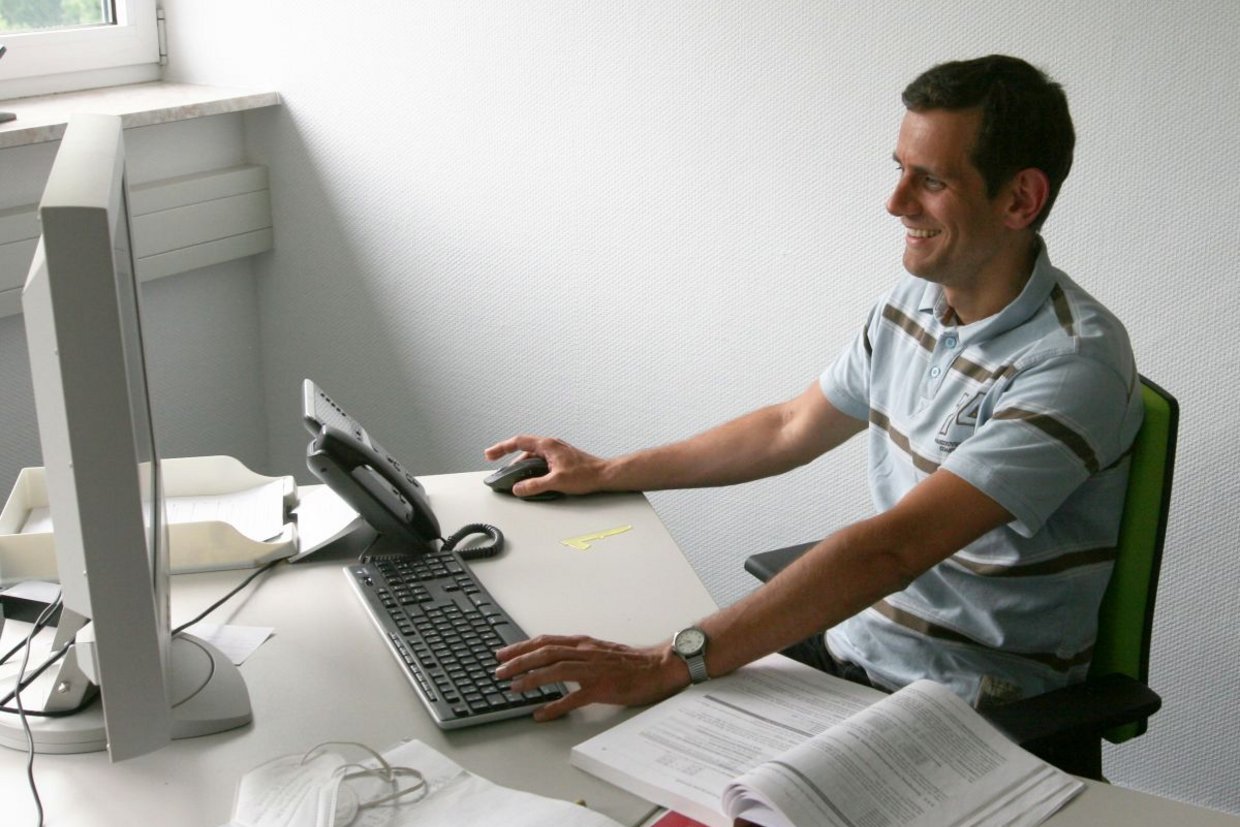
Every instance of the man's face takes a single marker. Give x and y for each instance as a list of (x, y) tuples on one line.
[(954, 232)]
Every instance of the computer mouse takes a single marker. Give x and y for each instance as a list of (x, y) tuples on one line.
[(505, 478)]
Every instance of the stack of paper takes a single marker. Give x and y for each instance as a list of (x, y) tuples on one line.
[(780, 744)]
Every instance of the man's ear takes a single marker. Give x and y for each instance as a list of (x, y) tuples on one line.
[(1027, 194)]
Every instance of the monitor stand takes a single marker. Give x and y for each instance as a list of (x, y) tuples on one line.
[(208, 696)]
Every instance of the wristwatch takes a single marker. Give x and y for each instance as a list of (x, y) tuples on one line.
[(690, 645)]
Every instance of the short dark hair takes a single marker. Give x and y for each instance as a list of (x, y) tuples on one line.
[(1025, 120)]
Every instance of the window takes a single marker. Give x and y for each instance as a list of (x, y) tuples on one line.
[(41, 15), (58, 45)]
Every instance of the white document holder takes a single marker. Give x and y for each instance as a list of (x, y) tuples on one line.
[(196, 546)]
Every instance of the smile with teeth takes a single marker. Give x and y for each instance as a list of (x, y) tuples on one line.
[(915, 233)]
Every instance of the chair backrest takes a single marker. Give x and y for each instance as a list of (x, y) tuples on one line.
[(1126, 616)]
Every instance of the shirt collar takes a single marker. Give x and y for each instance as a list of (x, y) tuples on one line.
[(1034, 294)]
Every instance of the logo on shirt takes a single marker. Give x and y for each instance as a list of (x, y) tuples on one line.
[(960, 423)]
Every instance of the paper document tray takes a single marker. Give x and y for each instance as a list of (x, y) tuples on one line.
[(201, 545)]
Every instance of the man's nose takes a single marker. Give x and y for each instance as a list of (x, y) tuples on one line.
[(901, 202)]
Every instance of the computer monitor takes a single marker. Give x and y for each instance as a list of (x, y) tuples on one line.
[(88, 366)]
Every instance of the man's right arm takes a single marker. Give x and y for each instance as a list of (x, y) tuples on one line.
[(763, 443)]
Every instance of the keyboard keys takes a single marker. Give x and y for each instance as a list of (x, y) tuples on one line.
[(445, 628)]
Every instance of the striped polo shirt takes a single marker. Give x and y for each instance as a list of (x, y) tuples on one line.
[(1037, 407)]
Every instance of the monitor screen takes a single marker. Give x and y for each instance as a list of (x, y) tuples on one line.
[(82, 313)]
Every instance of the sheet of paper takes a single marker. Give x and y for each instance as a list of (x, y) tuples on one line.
[(921, 757), (257, 513), (236, 642), (682, 753), (321, 518), (458, 798), (782, 744), (450, 797)]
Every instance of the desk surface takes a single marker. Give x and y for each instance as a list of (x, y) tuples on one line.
[(327, 675)]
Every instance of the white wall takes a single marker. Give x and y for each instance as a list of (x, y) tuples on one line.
[(619, 222), (201, 328)]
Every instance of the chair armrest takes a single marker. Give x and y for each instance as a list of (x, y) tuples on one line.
[(1091, 707), (766, 564)]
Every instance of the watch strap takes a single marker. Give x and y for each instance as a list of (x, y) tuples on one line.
[(697, 668)]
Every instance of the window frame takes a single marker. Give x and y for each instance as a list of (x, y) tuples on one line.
[(78, 58)]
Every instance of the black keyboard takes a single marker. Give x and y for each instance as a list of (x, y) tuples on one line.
[(443, 627)]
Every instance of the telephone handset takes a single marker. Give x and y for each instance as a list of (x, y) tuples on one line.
[(373, 482), (367, 477)]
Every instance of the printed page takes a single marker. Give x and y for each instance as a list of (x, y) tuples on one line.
[(683, 752), (921, 757), (256, 513)]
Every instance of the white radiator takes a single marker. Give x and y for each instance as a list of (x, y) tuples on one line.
[(179, 224)]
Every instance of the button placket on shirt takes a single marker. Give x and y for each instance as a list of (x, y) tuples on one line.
[(945, 351)]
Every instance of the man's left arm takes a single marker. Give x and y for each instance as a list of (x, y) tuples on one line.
[(840, 576)]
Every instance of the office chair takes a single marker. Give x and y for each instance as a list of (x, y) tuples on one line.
[(1065, 726)]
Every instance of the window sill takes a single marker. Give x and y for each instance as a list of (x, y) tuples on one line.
[(43, 118)]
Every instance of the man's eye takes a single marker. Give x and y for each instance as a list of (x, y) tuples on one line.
[(932, 183)]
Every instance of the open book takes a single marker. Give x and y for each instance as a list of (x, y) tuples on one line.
[(782, 745)]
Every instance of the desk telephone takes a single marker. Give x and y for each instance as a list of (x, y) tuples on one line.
[(374, 483), (438, 620)]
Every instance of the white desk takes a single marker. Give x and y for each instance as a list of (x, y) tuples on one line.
[(326, 674)]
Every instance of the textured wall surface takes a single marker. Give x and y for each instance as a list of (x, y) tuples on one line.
[(619, 222)]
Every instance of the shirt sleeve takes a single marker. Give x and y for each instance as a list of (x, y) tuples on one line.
[(846, 381), (1051, 427)]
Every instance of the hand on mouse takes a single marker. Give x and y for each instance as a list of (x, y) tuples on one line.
[(570, 470)]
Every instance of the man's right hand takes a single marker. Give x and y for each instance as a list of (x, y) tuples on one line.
[(570, 470), (603, 672), (763, 443)]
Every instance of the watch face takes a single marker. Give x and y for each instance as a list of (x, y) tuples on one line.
[(690, 641)]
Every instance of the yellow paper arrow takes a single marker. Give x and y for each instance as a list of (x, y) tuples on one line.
[(582, 543)]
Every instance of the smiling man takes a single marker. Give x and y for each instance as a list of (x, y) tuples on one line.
[(999, 401)]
